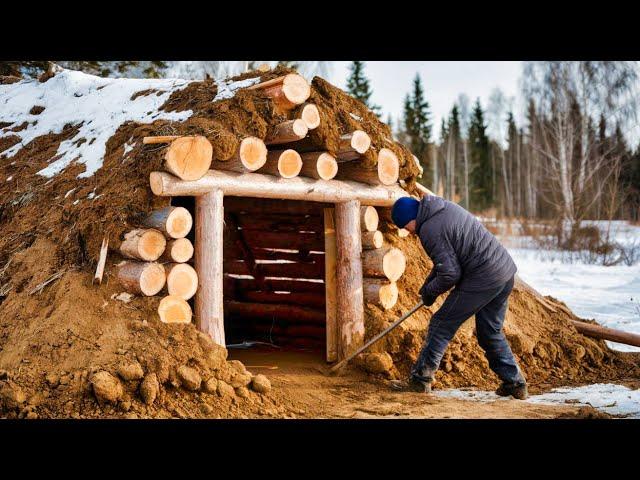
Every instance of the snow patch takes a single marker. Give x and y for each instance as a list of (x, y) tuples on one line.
[(96, 106), (228, 90)]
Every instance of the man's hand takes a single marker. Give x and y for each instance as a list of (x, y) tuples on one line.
[(427, 299)]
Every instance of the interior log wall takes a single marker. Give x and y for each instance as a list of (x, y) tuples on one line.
[(274, 270)]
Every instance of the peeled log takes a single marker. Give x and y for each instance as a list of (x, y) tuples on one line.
[(604, 333), (141, 278), (286, 92), (319, 165), (277, 285), (306, 299), (174, 222), (372, 240), (270, 311), (251, 156), (352, 145), (189, 157), (143, 244), (174, 309), (310, 115), (283, 163), (380, 292), (286, 132), (284, 270), (369, 219), (182, 280), (386, 172), (159, 139), (384, 262), (179, 250)]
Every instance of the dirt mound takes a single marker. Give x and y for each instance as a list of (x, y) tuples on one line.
[(549, 349)]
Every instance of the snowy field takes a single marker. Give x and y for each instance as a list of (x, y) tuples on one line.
[(609, 398), (610, 295)]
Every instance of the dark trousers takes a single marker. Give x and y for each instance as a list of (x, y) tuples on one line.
[(489, 307)]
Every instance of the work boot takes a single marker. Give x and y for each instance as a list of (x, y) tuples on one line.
[(411, 384), (516, 390)]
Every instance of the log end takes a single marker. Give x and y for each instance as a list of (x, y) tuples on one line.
[(289, 164), (300, 128), (173, 309), (311, 116), (189, 157), (151, 245), (327, 166), (393, 264), (182, 280), (388, 167), (388, 295), (156, 182), (369, 218), (179, 222), (296, 89), (253, 153), (181, 250), (152, 279), (360, 141)]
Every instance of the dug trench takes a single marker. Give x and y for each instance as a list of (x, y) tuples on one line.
[(69, 348)]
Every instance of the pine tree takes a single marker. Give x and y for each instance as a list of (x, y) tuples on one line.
[(417, 126), (358, 86), (480, 188)]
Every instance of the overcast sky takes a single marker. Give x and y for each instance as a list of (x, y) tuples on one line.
[(443, 82)]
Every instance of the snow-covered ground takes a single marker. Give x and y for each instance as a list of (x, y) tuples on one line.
[(610, 295), (607, 397)]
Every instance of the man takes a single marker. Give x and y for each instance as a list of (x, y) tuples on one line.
[(469, 258)]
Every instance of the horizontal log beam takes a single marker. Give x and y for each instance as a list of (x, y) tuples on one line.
[(267, 186), (276, 285), (270, 311), (288, 270)]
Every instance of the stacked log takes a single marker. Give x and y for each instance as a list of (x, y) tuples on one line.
[(250, 156), (381, 266), (159, 255), (283, 163), (286, 92)]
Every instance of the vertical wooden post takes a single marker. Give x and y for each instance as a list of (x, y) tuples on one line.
[(209, 264), (350, 300), (330, 284)]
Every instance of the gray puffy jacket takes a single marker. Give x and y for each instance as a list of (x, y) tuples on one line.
[(463, 251)]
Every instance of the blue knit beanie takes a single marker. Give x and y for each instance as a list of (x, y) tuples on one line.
[(404, 210)]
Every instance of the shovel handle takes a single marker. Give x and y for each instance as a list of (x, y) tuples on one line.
[(341, 363)]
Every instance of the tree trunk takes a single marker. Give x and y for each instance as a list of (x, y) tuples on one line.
[(287, 92), (352, 145), (380, 292), (310, 115)]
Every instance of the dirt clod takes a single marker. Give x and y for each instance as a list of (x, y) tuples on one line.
[(149, 388), (260, 384), (225, 390), (189, 378), (106, 387), (130, 371)]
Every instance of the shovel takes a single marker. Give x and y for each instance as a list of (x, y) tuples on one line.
[(342, 363)]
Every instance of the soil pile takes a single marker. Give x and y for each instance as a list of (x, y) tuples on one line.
[(548, 348)]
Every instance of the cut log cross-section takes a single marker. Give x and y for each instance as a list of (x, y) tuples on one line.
[(174, 309), (386, 172), (319, 165), (283, 163), (174, 222), (372, 240), (182, 280), (179, 250), (189, 157), (143, 244), (287, 92), (369, 219), (141, 278), (251, 156), (286, 132), (352, 145), (310, 115), (384, 262), (380, 292)]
